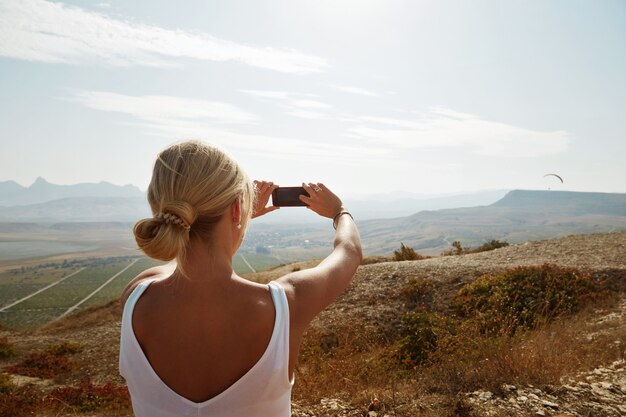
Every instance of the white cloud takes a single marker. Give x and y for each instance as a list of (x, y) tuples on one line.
[(309, 104), (306, 114), (160, 109), (355, 90), (277, 95), (445, 128), (39, 30), (300, 105), (178, 117)]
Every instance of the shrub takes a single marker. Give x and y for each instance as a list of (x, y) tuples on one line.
[(370, 260), (41, 365), (417, 291), (457, 249), (523, 297), (6, 384), (406, 254), (16, 401), (491, 245), (51, 362), (420, 332), (64, 348), (6, 348), (88, 397)]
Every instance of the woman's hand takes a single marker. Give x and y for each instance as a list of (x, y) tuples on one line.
[(263, 190), (322, 201)]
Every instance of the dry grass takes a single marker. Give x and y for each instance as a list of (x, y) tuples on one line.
[(352, 361), (87, 397), (540, 357)]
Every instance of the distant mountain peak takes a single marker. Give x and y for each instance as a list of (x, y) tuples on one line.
[(40, 181)]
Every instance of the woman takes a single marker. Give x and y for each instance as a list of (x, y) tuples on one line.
[(196, 339)]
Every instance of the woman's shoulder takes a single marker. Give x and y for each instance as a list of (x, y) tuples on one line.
[(157, 272)]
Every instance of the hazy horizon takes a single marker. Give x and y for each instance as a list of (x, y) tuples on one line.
[(369, 97), (391, 192)]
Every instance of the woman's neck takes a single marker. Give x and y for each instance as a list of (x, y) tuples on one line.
[(208, 264), (211, 262)]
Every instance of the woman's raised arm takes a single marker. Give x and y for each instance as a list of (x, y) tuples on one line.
[(314, 289)]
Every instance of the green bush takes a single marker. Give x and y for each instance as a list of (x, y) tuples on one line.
[(417, 291), (419, 333), (491, 245), (406, 254), (524, 297)]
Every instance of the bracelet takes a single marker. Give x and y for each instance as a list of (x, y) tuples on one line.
[(339, 215)]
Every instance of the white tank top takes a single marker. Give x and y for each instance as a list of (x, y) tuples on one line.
[(264, 391)]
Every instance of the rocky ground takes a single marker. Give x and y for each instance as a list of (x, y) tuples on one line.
[(374, 298), (600, 392)]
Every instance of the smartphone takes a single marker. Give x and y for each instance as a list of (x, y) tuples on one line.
[(288, 196)]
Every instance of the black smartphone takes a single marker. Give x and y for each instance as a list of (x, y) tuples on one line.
[(288, 196)]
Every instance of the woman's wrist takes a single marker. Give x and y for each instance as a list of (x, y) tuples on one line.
[(339, 215), (337, 211)]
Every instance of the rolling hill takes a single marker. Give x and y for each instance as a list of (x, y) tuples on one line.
[(519, 216)]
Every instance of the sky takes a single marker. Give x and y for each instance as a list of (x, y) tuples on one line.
[(367, 96)]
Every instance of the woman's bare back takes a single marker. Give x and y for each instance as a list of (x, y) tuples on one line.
[(201, 342)]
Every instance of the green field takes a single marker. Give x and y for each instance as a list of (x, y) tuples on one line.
[(114, 289), (72, 290), (258, 262), (56, 300), (19, 283)]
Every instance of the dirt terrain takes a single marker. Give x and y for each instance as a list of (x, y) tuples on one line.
[(374, 298)]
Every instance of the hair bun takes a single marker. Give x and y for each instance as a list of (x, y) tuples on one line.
[(165, 236)]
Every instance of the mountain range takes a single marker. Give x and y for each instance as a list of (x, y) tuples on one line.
[(47, 202), (429, 225), (41, 191)]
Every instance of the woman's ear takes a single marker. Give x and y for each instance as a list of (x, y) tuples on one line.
[(235, 210)]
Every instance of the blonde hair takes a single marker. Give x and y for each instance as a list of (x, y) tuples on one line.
[(193, 184)]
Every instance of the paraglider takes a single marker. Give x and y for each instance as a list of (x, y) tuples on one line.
[(554, 175)]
